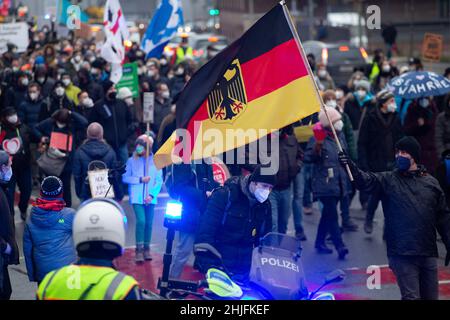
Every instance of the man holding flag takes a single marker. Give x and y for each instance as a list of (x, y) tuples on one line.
[(261, 82)]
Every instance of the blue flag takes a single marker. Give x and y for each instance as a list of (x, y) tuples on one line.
[(164, 24)]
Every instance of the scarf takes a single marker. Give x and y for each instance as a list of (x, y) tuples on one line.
[(368, 97), (49, 204)]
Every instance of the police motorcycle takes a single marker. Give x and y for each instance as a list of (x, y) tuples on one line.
[(276, 274)]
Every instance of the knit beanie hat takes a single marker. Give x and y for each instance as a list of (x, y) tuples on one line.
[(332, 113), (383, 96), (51, 187), (410, 145), (107, 84), (362, 84), (258, 176)]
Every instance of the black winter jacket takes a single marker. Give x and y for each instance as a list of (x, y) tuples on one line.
[(235, 231), (376, 143), (190, 186), (116, 119), (414, 208), (89, 151)]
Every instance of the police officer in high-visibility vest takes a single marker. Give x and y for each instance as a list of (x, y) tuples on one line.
[(99, 237), (183, 51)]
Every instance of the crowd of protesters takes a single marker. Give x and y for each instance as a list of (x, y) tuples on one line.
[(62, 89)]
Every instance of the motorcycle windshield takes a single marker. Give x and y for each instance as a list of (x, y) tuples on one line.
[(280, 241), (277, 269)]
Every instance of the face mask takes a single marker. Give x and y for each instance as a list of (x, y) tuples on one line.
[(59, 91), (331, 103), (392, 107), (140, 150), (163, 62), (165, 94), (66, 82), (261, 194), (41, 79), (77, 59), (403, 164), (92, 59), (60, 125), (424, 103), (338, 125), (112, 96), (179, 72), (362, 94), (25, 82), (322, 73), (13, 119), (151, 73), (386, 69), (6, 176), (34, 96), (129, 101), (339, 95), (88, 103)]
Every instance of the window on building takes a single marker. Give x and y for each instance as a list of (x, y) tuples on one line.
[(444, 8)]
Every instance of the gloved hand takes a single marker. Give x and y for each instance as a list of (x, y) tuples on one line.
[(447, 258), (344, 159)]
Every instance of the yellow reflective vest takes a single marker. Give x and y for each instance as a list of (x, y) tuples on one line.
[(181, 54), (82, 282)]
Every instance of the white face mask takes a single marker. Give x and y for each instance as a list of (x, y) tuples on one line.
[(150, 73), (392, 107), (261, 194), (163, 62), (339, 125), (362, 94), (13, 119), (179, 72), (165, 94), (34, 96), (88, 103), (424, 103), (386, 68), (322, 73), (59, 91), (66, 82), (25, 82), (60, 125), (41, 80), (331, 103), (339, 95)]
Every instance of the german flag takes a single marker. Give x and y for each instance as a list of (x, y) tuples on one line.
[(261, 81)]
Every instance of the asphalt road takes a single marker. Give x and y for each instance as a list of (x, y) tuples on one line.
[(365, 251)]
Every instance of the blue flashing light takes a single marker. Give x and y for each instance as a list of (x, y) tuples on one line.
[(173, 210)]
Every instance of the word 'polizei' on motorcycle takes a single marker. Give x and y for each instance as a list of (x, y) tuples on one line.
[(276, 274)]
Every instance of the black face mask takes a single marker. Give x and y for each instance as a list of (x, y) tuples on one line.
[(112, 96)]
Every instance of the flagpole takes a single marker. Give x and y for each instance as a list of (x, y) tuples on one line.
[(302, 53)]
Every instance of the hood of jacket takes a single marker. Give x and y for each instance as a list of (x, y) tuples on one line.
[(44, 218), (95, 149)]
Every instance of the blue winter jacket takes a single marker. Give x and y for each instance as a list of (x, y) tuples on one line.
[(48, 239), (329, 178), (135, 171)]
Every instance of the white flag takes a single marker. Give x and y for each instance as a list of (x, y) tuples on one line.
[(116, 31)]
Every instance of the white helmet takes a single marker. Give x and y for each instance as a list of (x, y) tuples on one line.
[(99, 229)]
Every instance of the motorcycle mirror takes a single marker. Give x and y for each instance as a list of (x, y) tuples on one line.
[(202, 248), (335, 276)]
